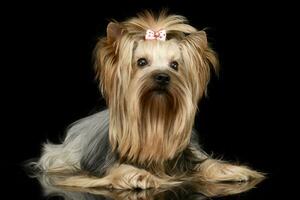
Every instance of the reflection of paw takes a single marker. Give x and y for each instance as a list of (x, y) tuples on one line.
[(211, 189)]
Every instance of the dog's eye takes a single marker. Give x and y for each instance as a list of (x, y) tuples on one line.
[(174, 65), (142, 62)]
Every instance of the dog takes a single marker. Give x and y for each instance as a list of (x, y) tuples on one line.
[(152, 71)]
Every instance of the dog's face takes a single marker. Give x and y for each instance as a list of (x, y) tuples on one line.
[(152, 87), (158, 74)]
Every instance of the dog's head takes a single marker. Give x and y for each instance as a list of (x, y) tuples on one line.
[(152, 72)]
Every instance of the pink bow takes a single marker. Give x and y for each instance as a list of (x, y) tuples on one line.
[(156, 35)]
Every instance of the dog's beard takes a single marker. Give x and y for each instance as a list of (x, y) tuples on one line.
[(153, 123)]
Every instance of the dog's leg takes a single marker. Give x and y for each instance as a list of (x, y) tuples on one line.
[(212, 170), (121, 177)]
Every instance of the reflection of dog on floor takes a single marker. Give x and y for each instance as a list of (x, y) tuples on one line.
[(153, 70)]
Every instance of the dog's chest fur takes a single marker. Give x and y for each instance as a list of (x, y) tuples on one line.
[(98, 157)]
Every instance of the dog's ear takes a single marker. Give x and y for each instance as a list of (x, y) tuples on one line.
[(105, 56), (201, 45), (113, 32), (199, 56)]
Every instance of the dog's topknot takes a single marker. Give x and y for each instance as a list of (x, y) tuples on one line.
[(175, 25)]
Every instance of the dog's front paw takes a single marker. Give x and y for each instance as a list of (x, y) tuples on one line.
[(138, 180), (218, 171), (239, 173)]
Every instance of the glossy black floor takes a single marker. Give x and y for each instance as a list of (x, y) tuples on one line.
[(51, 84)]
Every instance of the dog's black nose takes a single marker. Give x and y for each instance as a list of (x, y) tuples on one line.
[(162, 78)]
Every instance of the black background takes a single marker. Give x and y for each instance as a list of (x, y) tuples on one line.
[(245, 118)]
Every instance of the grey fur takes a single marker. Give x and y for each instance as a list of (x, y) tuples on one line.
[(85, 147), (97, 154)]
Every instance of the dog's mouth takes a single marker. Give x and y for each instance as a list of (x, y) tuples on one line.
[(158, 95), (159, 90)]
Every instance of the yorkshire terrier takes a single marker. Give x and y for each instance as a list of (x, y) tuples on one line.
[(152, 71)]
